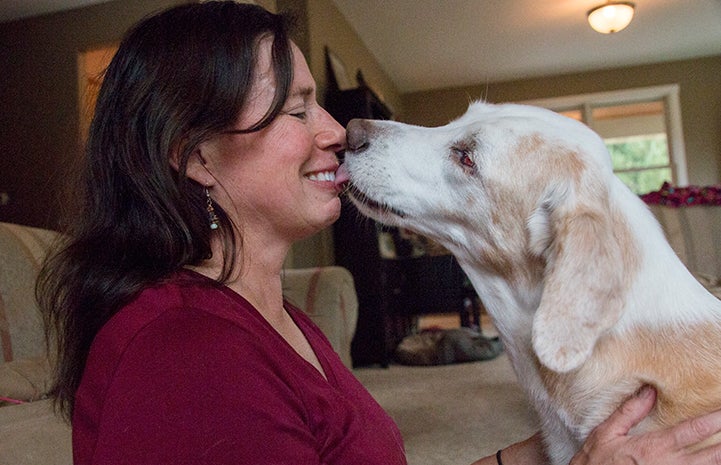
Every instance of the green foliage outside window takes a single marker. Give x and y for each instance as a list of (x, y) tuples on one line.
[(642, 163)]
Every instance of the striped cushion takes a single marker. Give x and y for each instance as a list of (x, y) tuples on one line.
[(327, 295)]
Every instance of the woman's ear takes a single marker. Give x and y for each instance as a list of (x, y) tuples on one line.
[(196, 167)]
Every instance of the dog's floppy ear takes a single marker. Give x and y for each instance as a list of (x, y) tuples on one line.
[(583, 289)]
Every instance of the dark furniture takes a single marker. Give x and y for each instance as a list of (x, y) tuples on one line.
[(391, 292)]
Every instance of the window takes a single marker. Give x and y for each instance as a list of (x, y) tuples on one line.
[(641, 128)]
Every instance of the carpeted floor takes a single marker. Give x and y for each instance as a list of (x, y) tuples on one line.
[(452, 414)]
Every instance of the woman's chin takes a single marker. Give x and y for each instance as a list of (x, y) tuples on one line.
[(333, 208)]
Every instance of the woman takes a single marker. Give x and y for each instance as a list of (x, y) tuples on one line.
[(208, 157)]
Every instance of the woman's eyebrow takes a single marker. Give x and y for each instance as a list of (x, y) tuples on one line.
[(302, 92)]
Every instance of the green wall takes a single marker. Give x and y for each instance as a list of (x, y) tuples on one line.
[(700, 88), (328, 27)]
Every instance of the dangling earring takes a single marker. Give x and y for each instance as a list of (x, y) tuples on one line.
[(212, 217)]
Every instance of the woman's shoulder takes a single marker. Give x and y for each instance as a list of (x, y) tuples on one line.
[(176, 290), (184, 302)]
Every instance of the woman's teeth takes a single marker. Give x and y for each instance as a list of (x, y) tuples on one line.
[(322, 176)]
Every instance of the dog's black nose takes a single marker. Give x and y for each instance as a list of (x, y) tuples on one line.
[(357, 135)]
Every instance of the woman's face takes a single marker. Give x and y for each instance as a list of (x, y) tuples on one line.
[(279, 181)]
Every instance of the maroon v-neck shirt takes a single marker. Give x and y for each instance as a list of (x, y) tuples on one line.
[(191, 373)]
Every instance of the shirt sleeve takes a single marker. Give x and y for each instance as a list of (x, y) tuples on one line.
[(195, 388)]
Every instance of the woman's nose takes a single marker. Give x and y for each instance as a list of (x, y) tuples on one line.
[(331, 133)]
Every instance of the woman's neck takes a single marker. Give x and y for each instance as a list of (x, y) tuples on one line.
[(258, 280), (257, 275)]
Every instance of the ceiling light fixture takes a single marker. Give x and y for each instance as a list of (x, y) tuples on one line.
[(611, 16)]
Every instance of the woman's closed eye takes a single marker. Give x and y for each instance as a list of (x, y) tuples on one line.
[(297, 111)]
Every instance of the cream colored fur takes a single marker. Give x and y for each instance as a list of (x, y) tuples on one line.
[(590, 300)]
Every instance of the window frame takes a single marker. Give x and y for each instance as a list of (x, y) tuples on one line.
[(669, 94)]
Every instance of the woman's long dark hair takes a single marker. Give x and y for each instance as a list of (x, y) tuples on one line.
[(177, 79)]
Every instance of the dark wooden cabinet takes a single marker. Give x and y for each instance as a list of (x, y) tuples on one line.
[(391, 292), (356, 244), (361, 102), (355, 237)]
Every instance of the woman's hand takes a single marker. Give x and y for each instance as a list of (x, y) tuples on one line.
[(610, 443)]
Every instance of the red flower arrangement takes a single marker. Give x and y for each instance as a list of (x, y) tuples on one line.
[(683, 196)]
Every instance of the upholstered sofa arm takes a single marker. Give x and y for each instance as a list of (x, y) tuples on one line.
[(328, 296), (22, 250)]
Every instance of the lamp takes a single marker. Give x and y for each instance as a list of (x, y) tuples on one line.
[(611, 17)]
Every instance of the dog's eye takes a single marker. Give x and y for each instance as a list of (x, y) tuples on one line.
[(461, 155)]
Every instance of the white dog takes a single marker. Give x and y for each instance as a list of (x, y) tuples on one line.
[(589, 299)]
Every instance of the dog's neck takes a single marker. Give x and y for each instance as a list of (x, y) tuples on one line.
[(666, 292)]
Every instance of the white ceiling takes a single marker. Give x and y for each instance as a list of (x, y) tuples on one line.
[(427, 44)]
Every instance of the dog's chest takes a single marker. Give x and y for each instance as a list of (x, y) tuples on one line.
[(563, 429), (568, 408)]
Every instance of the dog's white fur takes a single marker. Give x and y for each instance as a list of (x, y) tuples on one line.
[(589, 299)]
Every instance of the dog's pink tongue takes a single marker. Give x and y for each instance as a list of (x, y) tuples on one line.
[(341, 176)]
